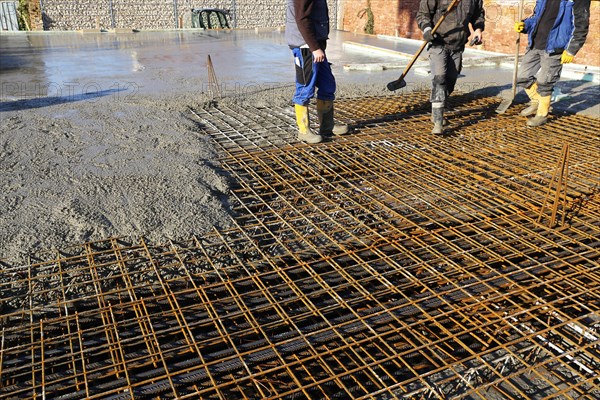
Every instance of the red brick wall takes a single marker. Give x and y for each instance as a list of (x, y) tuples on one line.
[(590, 52), (355, 19), (397, 18), (407, 12), (499, 35)]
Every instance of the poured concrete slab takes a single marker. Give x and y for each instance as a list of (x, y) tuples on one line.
[(97, 138), (80, 64)]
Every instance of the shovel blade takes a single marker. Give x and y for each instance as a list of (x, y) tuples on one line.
[(397, 84), (504, 104)]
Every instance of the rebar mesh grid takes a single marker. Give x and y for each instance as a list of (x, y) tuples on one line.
[(386, 264)]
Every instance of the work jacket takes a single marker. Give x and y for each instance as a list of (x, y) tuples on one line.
[(570, 28), (453, 32), (307, 23)]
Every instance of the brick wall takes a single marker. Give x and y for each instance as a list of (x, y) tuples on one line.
[(397, 18), (590, 52), (155, 14)]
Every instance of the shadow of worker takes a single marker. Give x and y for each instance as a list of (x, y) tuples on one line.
[(39, 102)]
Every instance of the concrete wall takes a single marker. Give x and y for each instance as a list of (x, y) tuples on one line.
[(397, 18), (154, 14)]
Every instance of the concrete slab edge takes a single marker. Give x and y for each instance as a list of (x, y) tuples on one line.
[(572, 69), (376, 49)]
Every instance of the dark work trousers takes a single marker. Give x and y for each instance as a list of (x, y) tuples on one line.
[(540, 66), (445, 65)]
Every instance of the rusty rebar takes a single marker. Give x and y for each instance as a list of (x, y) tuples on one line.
[(559, 179), (389, 262), (213, 83)]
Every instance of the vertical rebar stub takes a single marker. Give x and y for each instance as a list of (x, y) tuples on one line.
[(213, 85), (559, 184)]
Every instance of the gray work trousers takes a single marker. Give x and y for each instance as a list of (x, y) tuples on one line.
[(445, 65), (540, 66)]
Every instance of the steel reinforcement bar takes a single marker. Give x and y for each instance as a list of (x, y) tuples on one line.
[(386, 264)]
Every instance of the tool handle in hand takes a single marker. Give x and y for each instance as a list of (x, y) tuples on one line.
[(400, 83)]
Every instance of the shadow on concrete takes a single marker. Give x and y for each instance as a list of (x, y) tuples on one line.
[(9, 62), (39, 102), (454, 101), (579, 96)]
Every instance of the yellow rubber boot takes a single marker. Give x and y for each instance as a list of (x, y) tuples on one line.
[(326, 123), (305, 134), (534, 98), (541, 117)]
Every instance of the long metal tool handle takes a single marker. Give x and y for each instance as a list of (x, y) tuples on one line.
[(518, 42), (395, 84)]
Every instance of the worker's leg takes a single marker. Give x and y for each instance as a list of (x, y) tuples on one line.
[(454, 62), (326, 87), (306, 78), (526, 78), (549, 74), (438, 62)]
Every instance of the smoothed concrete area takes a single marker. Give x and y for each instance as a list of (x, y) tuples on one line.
[(78, 65)]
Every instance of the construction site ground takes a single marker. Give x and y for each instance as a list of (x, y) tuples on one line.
[(165, 237)]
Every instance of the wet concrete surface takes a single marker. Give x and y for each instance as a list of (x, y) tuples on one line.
[(72, 64), (97, 138)]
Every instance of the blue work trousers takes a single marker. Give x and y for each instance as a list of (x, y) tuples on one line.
[(311, 76)]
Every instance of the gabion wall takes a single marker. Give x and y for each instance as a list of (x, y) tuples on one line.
[(160, 14)]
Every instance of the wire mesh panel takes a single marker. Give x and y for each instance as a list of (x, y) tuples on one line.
[(389, 264)]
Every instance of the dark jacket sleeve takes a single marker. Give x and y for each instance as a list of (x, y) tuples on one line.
[(303, 10), (425, 14), (478, 20), (581, 13)]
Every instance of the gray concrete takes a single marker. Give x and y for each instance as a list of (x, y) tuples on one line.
[(73, 64), (97, 138)]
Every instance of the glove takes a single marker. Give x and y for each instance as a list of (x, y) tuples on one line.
[(519, 26), (427, 36), (566, 57)]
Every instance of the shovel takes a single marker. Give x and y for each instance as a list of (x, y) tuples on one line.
[(507, 101), (400, 82)]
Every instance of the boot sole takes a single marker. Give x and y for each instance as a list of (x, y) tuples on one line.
[(533, 124), (340, 130), (504, 104), (311, 139), (531, 112)]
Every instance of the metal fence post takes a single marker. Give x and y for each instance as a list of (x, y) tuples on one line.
[(112, 14), (175, 14), (42, 14), (234, 14)]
